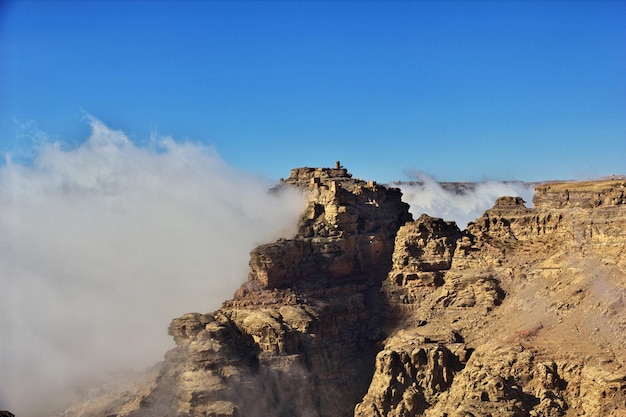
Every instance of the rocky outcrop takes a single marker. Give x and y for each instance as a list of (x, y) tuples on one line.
[(366, 312), (300, 337), (423, 254), (408, 379), (587, 194), (346, 232), (530, 313)]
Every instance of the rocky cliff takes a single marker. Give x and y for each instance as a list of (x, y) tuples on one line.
[(522, 314), (366, 312)]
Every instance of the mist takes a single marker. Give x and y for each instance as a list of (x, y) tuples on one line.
[(426, 195), (103, 243)]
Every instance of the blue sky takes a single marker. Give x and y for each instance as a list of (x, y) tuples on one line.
[(461, 90), (469, 90)]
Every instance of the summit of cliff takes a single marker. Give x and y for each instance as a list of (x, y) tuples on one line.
[(368, 312)]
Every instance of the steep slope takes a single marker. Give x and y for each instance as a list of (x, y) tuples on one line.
[(525, 318), (300, 337), (366, 312)]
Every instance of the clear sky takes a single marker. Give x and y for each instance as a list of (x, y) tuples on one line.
[(469, 90), (463, 91)]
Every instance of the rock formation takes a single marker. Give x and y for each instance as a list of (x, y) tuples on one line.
[(366, 312), (528, 318)]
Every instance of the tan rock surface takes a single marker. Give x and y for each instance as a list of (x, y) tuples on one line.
[(368, 313), (536, 296), (300, 337)]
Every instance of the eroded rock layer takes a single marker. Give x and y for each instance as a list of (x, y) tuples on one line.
[(366, 312), (300, 337), (527, 319)]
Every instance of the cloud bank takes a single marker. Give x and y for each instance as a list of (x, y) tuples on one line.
[(426, 195), (102, 244)]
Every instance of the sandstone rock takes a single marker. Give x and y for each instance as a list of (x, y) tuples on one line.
[(408, 380), (365, 312), (581, 194), (189, 326), (311, 306), (345, 233), (523, 293), (424, 246), (423, 252)]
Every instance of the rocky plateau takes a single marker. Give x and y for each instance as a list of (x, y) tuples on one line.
[(367, 312)]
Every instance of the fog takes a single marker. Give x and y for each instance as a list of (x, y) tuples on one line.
[(103, 243), (426, 195)]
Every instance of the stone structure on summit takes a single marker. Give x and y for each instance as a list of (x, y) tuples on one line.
[(345, 233), (367, 312)]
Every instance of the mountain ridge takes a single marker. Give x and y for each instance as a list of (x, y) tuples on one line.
[(367, 312)]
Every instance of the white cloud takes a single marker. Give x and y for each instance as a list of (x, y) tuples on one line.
[(426, 195), (101, 245)]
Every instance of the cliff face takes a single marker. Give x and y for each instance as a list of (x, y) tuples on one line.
[(366, 312), (527, 319), (345, 234), (300, 337)]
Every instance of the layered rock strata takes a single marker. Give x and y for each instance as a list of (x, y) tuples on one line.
[(346, 233), (300, 336), (366, 312), (527, 319)]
